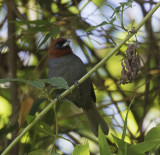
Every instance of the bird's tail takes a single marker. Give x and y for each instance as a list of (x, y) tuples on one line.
[(95, 119)]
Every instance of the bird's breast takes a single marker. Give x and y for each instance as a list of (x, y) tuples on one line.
[(69, 67)]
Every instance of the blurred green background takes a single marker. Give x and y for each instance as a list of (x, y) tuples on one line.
[(27, 29)]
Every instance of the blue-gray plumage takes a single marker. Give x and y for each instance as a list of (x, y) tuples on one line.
[(63, 63)]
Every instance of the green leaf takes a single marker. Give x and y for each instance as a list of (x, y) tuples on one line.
[(39, 28), (113, 19), (81, 150), (40, 126), (103, 144), (55, 31), (98, 3), (54, 7), (35, 25), (73, 9), (122, 145), (129, 4), (58, 82), (153, 133), (29, 118), (12, 80), (125, 122), (36, 22), (45, 128), (39, 152), (38, 84), (116, 11), (44, 40), (93, 27), (143, 147)]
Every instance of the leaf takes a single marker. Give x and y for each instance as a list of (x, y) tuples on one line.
[(44, 40), (125, 122), (116, 11), (113, 19), (122, 145), (38, 84), (81, 150), (93, 27), (129, 3), (103, 144), (98, 3), (12, 80), (153, 133), (40, 126), (55, 31), (29, 118), (37, 22), (26, 106), (143, 147), (39, 28), (39, 152), (45, 128), (58, 82)]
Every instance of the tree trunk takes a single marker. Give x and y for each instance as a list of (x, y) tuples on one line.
[(12, 64)]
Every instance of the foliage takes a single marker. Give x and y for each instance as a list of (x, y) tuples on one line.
[(32, 27)]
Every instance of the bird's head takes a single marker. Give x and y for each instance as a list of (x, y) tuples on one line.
[(59, 48)]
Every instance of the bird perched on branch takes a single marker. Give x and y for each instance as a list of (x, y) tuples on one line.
[(63, 63)]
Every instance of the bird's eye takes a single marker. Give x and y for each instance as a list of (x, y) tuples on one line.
[(58, 46)]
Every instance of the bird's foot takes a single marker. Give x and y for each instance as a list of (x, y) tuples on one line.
[(76, 84)]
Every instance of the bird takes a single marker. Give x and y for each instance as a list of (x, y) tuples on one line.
[(64, 63)]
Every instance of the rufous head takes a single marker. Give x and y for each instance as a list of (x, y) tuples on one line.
[(59, 48)]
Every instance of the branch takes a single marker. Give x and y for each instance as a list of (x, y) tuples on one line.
[(102, 62)]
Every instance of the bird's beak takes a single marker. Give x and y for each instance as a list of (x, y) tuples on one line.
[(66, 43)]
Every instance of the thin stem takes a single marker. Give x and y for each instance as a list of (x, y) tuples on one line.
[(122, 19), (102, 62), (56, 122)]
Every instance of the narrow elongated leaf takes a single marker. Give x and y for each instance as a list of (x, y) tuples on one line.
[(39, 152), (93, 27), (12, 80), (37, 22), (58, 82), (44, 40), (122, 145), (129, 3), (39, 28), (55, 31), (38, 84), (112, 21), (116, 11), (103, 144), (81, 150), (143, 147), (125, 122)]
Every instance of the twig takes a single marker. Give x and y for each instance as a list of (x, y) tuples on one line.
[(102, 62)]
